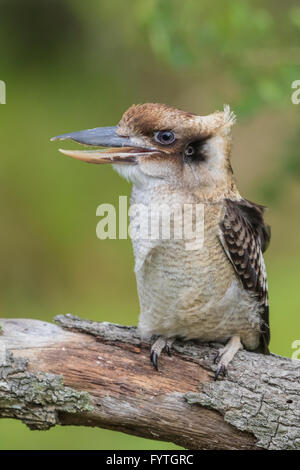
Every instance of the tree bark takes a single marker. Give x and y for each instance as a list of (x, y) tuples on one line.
[(99, 374)]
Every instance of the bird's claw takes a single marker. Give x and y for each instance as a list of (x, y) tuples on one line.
[(221, 369), (216, 357), (225, 355), (154, 359), (158, 346)]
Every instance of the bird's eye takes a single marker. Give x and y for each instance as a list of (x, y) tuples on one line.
[(165, 137), (189, 151)]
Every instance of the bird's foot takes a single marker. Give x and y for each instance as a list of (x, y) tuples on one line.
[(158, 346), (225, 355)]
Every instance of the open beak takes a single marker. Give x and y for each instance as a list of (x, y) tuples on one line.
[(121, 149)]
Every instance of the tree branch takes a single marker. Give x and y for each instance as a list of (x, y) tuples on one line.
[(99, 374)]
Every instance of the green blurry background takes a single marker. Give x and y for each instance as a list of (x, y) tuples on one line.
[(71, 65)]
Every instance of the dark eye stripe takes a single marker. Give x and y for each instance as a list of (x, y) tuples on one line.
[(165, 137)]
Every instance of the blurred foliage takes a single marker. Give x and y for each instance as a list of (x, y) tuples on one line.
[(255, 43), (69, 65), (231, 35), (287, 172)]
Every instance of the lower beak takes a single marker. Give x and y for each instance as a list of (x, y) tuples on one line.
[(121, 149)]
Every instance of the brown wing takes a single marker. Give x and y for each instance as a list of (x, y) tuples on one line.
[(245, 237)]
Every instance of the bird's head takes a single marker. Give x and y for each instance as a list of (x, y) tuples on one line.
[(155, 143)]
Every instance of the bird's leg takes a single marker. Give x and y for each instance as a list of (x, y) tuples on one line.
[(225, 355), (158, 346)]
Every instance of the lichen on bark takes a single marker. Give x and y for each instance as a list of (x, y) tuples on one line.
[(37, 399), (257, 405), (258, 399)]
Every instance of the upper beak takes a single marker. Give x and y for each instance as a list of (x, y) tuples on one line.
[(122, 149)]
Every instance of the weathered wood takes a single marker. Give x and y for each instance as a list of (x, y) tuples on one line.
[(99, 374)]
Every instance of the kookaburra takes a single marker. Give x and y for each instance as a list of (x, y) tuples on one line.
[(217, 293)]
